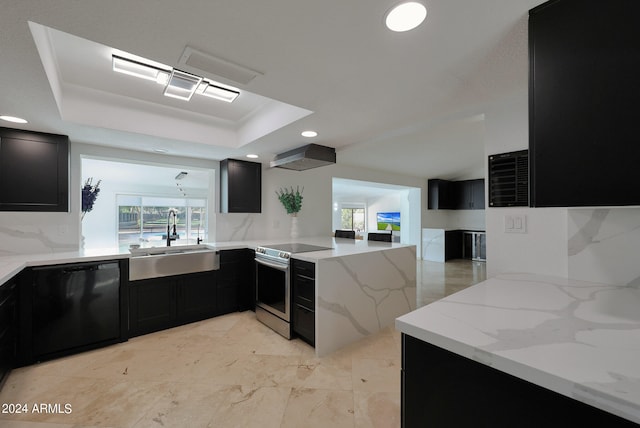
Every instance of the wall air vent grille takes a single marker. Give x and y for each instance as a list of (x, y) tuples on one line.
[(509, 179)]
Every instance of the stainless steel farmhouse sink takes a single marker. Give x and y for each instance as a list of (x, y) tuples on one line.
[(167, 261)]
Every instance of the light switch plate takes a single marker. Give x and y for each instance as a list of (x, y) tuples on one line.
[(515, 223)]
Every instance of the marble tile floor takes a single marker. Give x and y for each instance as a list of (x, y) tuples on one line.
[(229, 371)]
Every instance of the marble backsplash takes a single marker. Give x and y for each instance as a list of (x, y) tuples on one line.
[(604, 245), (31, 239)]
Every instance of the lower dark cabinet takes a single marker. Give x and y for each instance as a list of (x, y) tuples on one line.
[(236, 281), (304, 323), (8, 327), (452, 244), (152, 305), (443, 389), (198, 297), (160, 303), (303, 306)]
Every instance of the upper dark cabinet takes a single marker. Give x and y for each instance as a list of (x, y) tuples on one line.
[(240, 186), (456, 195), (469, 194), (441, 194), (34, 171), (584, 59)]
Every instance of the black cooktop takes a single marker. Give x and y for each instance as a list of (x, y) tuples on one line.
[(295, 247)]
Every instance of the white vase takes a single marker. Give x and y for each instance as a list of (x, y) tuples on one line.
[(294, 226)]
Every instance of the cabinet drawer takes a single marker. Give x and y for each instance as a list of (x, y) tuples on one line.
[(304, 323), (303, 268), (305, 289)]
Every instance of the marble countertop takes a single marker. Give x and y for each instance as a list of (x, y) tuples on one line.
[(577, 338), (12, 265)]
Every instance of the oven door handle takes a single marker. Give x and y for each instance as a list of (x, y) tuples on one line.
[(278, 266)]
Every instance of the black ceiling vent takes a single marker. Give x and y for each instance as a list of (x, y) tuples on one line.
[(305, 157)]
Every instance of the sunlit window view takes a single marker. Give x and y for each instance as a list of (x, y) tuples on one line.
[(145, 219), (353, 219)]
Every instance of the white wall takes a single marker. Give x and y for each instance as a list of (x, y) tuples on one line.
[(316, 217), (543, 248), (455, 219)]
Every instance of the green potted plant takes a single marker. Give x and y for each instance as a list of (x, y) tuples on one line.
[(292, 202)]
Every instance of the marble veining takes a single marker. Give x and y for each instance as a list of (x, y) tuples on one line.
[(580, 339), (32, 239), (603, 245), (360, 294)]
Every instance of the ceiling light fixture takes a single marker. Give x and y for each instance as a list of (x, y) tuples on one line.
[(138, 69), (182, 85), (181, 175), (178, 84), (405, 16), (13, 119), (158, 150), (252, 156), (309, 134), (218, 92)]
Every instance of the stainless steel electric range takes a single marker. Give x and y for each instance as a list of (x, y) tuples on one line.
[(273, 284)]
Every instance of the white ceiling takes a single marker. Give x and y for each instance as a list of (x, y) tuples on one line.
[(410, 103)]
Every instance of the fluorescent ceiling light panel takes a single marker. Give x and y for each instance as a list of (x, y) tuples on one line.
[(182, 85), (218, 92), (138, 69)]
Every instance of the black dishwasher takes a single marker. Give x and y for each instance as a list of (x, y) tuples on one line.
[(74, 306)]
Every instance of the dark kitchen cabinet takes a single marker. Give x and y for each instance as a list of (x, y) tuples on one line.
[(34, 171), (434, 382), (240, 186), (152, 305), (303, 307), (236, 281), (160, 303), (8, 327), (584, 63), (456, 195), (452, 244), (469, 194), (198, 297), (441, 194)]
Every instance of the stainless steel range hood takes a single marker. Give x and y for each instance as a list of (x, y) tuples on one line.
[(305, 157)]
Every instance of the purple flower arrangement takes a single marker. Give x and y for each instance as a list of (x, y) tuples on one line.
[(89, 195)]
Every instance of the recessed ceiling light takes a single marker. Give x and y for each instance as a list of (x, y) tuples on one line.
[(309, 134), (252, 156), (405, 16), (13, 119)]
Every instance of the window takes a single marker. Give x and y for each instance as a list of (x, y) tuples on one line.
[(352, 219), (145, 219)]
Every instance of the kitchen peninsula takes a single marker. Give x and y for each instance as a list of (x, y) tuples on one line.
[(524, 350), (360, 286)]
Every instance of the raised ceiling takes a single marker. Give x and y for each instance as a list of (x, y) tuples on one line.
[(404, 102)]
